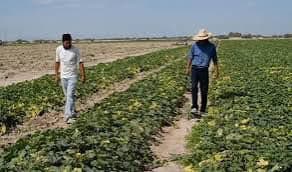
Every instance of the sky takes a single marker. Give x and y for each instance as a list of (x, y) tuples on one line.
[(48, 19)]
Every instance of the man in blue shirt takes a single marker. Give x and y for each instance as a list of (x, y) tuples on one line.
[(199, 59)]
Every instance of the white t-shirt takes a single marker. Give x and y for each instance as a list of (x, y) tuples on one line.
[(69, 61)]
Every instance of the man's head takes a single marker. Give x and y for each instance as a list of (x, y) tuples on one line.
[(67, 41), (202, 36), (203, 41)]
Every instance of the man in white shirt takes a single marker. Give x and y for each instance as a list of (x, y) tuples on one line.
[(66, 68)]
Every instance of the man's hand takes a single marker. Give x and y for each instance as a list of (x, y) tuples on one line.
[(57, 78), (83, 79), (216, 74), (82, 72), (188, 71)]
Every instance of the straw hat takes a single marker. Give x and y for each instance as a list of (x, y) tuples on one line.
[(203, 34)]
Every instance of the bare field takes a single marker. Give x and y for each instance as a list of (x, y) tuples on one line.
[(25, 62)]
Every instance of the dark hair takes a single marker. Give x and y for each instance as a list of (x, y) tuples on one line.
[(66, 37)]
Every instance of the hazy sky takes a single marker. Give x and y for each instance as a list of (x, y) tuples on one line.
[(48, 19)]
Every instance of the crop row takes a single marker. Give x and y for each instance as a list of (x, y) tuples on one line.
[(114, 135), (32, 98), (249, 127)]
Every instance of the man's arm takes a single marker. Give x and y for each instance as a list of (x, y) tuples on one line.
[(82, 72), (189, 62), (57, 73), (57, 66), (81, 66), (216, 66), (215, 62), (189, 67)]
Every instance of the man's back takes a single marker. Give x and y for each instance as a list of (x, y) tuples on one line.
[(201, 54)]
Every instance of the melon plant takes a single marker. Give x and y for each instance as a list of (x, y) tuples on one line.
[(32, 98), (249, 126), (115, 135)]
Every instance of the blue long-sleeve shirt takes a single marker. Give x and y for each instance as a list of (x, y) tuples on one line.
[(201, 54)]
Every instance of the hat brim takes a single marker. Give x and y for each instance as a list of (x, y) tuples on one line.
[(200, 38)]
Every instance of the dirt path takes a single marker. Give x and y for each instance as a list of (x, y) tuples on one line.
[(27, 62), (173, 141), (54, 119)]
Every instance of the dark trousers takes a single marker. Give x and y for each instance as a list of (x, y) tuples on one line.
[(200, 76)]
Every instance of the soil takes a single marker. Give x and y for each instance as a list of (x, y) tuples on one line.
[(26, 62)]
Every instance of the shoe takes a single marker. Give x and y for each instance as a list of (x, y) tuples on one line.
[(194, 116), (194, 111), (75, 115), (204, 113), (66, 118), (70, 121)]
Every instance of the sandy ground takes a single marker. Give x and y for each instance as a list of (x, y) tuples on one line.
[(171, 144), (54, 119), (173, 140), (25, 62)]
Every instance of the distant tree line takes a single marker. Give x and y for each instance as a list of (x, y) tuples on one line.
[(179, 38), (22, 41), (249, 35), (288, 35), (43, 41)]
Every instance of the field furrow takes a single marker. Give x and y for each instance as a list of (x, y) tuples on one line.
[(29, 99), (115, 135), (250, 121)]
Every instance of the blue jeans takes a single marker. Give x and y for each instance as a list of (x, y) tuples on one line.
[(69, 89)]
